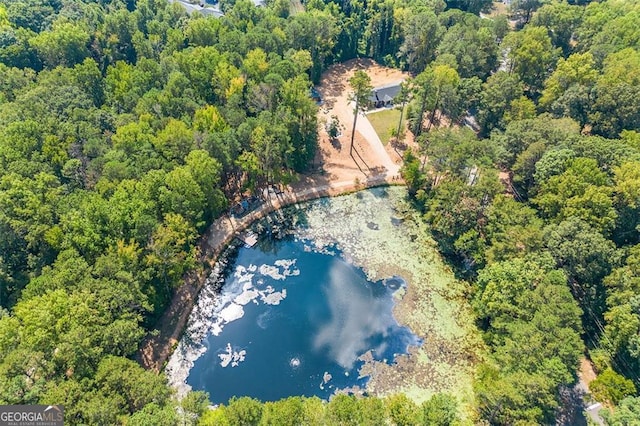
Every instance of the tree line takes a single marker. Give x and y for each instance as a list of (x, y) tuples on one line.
[(127, 127), (439, 410), (539, 209)]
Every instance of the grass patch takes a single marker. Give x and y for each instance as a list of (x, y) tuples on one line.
[(384, 121)]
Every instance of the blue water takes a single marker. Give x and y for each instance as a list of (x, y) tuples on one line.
[(330, 316)]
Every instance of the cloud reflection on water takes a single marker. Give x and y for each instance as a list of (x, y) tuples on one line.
[(356, 316)]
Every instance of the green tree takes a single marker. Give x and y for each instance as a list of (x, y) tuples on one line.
[(521, 109), (504, 292), (206, 171), (402, 410), (244, 411), (533, 328), (202, 32), (515, 398), (255, 64), (401, 99), (154, 414), (65, 44), (440, 410), (587, 257), (422, 34), (171, 253), (360, 83), (498, 93), (411, 173), (344, 410), (382, 30), (471, 6), (513, 230), (314, 411), (98, 408), (270, 145), (286, 412), (217, 417), (456, 207), (583, 192), (523, 9), (423, 92), (625, 414), (13, 81), (16, 49), (315, 31), (126, 84), (611, 387), (194, 405), (575, 75), (627, 200), (553, 162), (181, 194), (561, 20), (298, 113), (614, 109), (531, 55), (115, 38), (374, 411), (174, 141), (618, 31), (473, 44), (431, 88), (622, 317), (125, 378), (445, 82), (250, 164), (198, 65)]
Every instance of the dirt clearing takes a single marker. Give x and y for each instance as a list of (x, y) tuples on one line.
[(372, 157)]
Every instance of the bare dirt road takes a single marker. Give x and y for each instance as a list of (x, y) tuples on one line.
[(591, 407)]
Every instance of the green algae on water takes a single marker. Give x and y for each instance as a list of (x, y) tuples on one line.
[(379, 232)]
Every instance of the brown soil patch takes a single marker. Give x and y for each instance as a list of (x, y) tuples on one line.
[(333, 156), (586, 373)]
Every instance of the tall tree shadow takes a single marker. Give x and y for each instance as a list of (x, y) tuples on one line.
[(361, 159)]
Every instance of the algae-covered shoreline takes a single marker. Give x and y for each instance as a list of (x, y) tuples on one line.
[(379, 232)]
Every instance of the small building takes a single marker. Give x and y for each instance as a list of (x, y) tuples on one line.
[(383, 96)]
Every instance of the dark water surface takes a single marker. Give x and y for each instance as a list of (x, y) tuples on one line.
[(295, 323)]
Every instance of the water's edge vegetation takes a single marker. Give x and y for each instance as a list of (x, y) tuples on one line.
[(157, 347), (370, 227), (128, 126)]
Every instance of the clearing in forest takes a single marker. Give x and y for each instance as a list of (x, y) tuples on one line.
[(333, 157), (384, 120)]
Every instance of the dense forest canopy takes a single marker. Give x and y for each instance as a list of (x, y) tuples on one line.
[(551, 260), (127, 127)]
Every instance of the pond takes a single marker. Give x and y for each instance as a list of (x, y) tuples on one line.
[(352, 298), (296, 323)]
